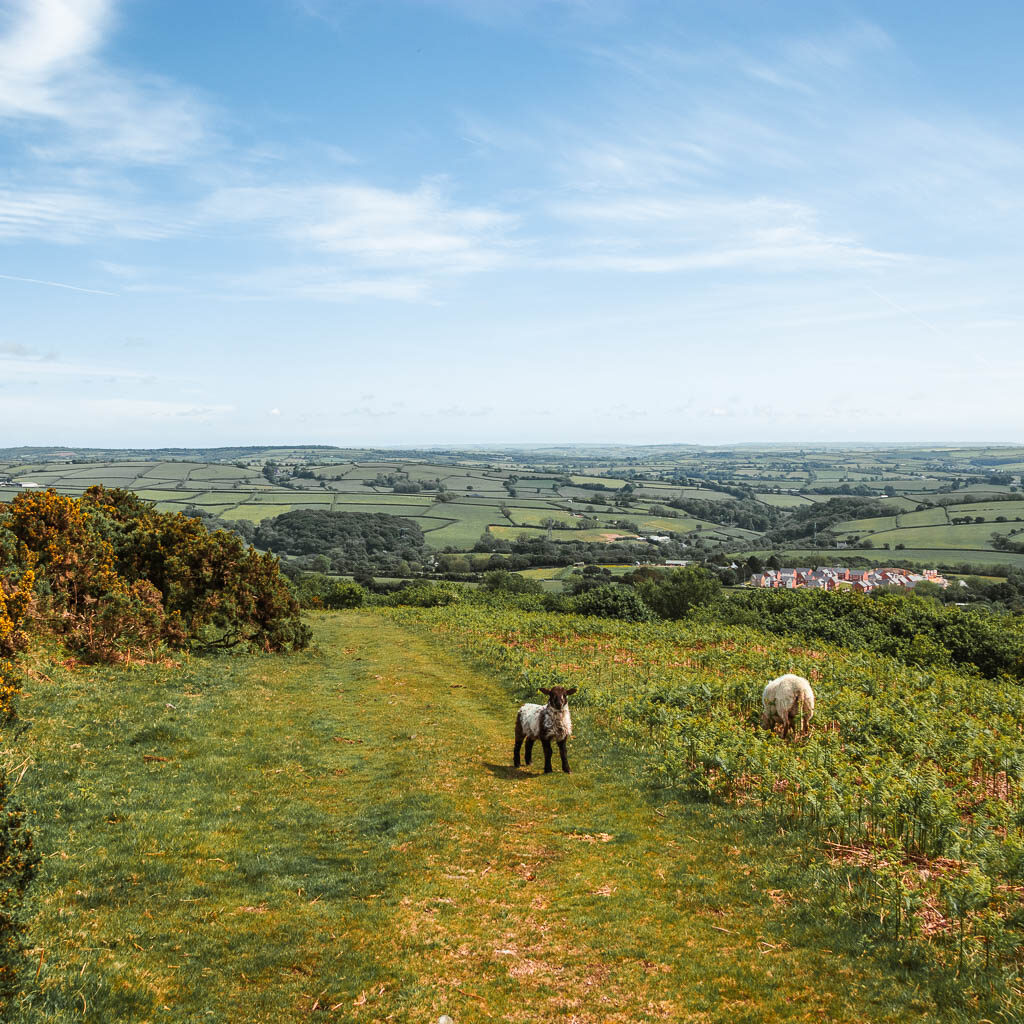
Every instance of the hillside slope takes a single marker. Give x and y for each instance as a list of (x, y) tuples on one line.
[(341, 831)]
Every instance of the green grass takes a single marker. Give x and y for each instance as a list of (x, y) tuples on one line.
[(468, 522), (926, 517), (553, 573), (866, 526), (252, 513), (609, 482), (783, 500), (989, 509), (339, 835), (537, 516), (601, 535), (974, 535)]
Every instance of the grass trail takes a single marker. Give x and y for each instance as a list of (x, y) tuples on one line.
[(339, 835)]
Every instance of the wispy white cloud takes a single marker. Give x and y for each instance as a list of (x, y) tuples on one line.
[(660, 234), (374, 227), (19, 361), (68, 216), (112, 410), (55, 284), (51, 73), (322, 283)]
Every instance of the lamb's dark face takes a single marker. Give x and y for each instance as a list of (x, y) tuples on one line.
[(558, 696)]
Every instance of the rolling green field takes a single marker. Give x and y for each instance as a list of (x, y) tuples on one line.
[(974, 535), (254, 484), (512, 532), (784, 500), (340, 835)]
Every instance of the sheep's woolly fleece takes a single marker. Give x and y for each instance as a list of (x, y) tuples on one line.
[(542, 721), (783, 696)]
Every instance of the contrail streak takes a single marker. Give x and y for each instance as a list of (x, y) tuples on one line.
[(56, 284)]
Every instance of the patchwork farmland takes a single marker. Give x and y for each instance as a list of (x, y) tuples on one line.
[(942, 505)]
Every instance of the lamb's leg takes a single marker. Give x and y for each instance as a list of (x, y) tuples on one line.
[(565, 758), (529, 751), (786, 721), (519, 743), (547, 753)]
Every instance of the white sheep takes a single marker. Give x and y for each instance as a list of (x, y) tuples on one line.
[(783, 698), (545, 722)]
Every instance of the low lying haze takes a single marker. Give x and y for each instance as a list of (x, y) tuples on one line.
[(450, 221)]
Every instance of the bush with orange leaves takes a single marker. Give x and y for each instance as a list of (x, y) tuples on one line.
[(15, 602), (119, 579), (18, 860)]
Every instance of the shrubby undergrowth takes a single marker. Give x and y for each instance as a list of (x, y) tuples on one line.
[(917, 630)]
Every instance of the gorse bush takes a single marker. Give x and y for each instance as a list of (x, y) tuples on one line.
[(117, 579), (17, 858), (18, 866), (16, 594)]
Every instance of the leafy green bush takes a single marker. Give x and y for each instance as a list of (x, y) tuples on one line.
[(915, 629), (612, 601), (672, 595)]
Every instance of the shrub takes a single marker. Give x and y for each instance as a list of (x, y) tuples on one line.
[(426, 595), (117, 577), (510, 582), (613, 601), (672, 595), (344, 595)]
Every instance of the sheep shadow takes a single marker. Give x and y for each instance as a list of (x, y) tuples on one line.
[(507, 771)]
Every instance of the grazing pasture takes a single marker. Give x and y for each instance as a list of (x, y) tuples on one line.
[(340, 835), (601, 534), (973, 535), (925, 517), (902, 803)]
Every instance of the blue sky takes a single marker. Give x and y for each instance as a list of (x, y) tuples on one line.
[(454, 221)]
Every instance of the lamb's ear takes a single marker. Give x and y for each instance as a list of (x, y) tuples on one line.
[(545, 691), (570, 691)]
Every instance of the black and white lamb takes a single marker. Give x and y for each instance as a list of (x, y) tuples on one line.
[(545, 722), (783, 699)]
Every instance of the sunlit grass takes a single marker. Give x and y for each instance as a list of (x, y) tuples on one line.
[(256, 839)]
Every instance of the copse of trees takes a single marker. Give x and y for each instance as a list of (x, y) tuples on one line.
[(746, 513), (348, 542)]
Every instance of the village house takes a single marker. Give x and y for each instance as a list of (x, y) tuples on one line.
[(863, 581)]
